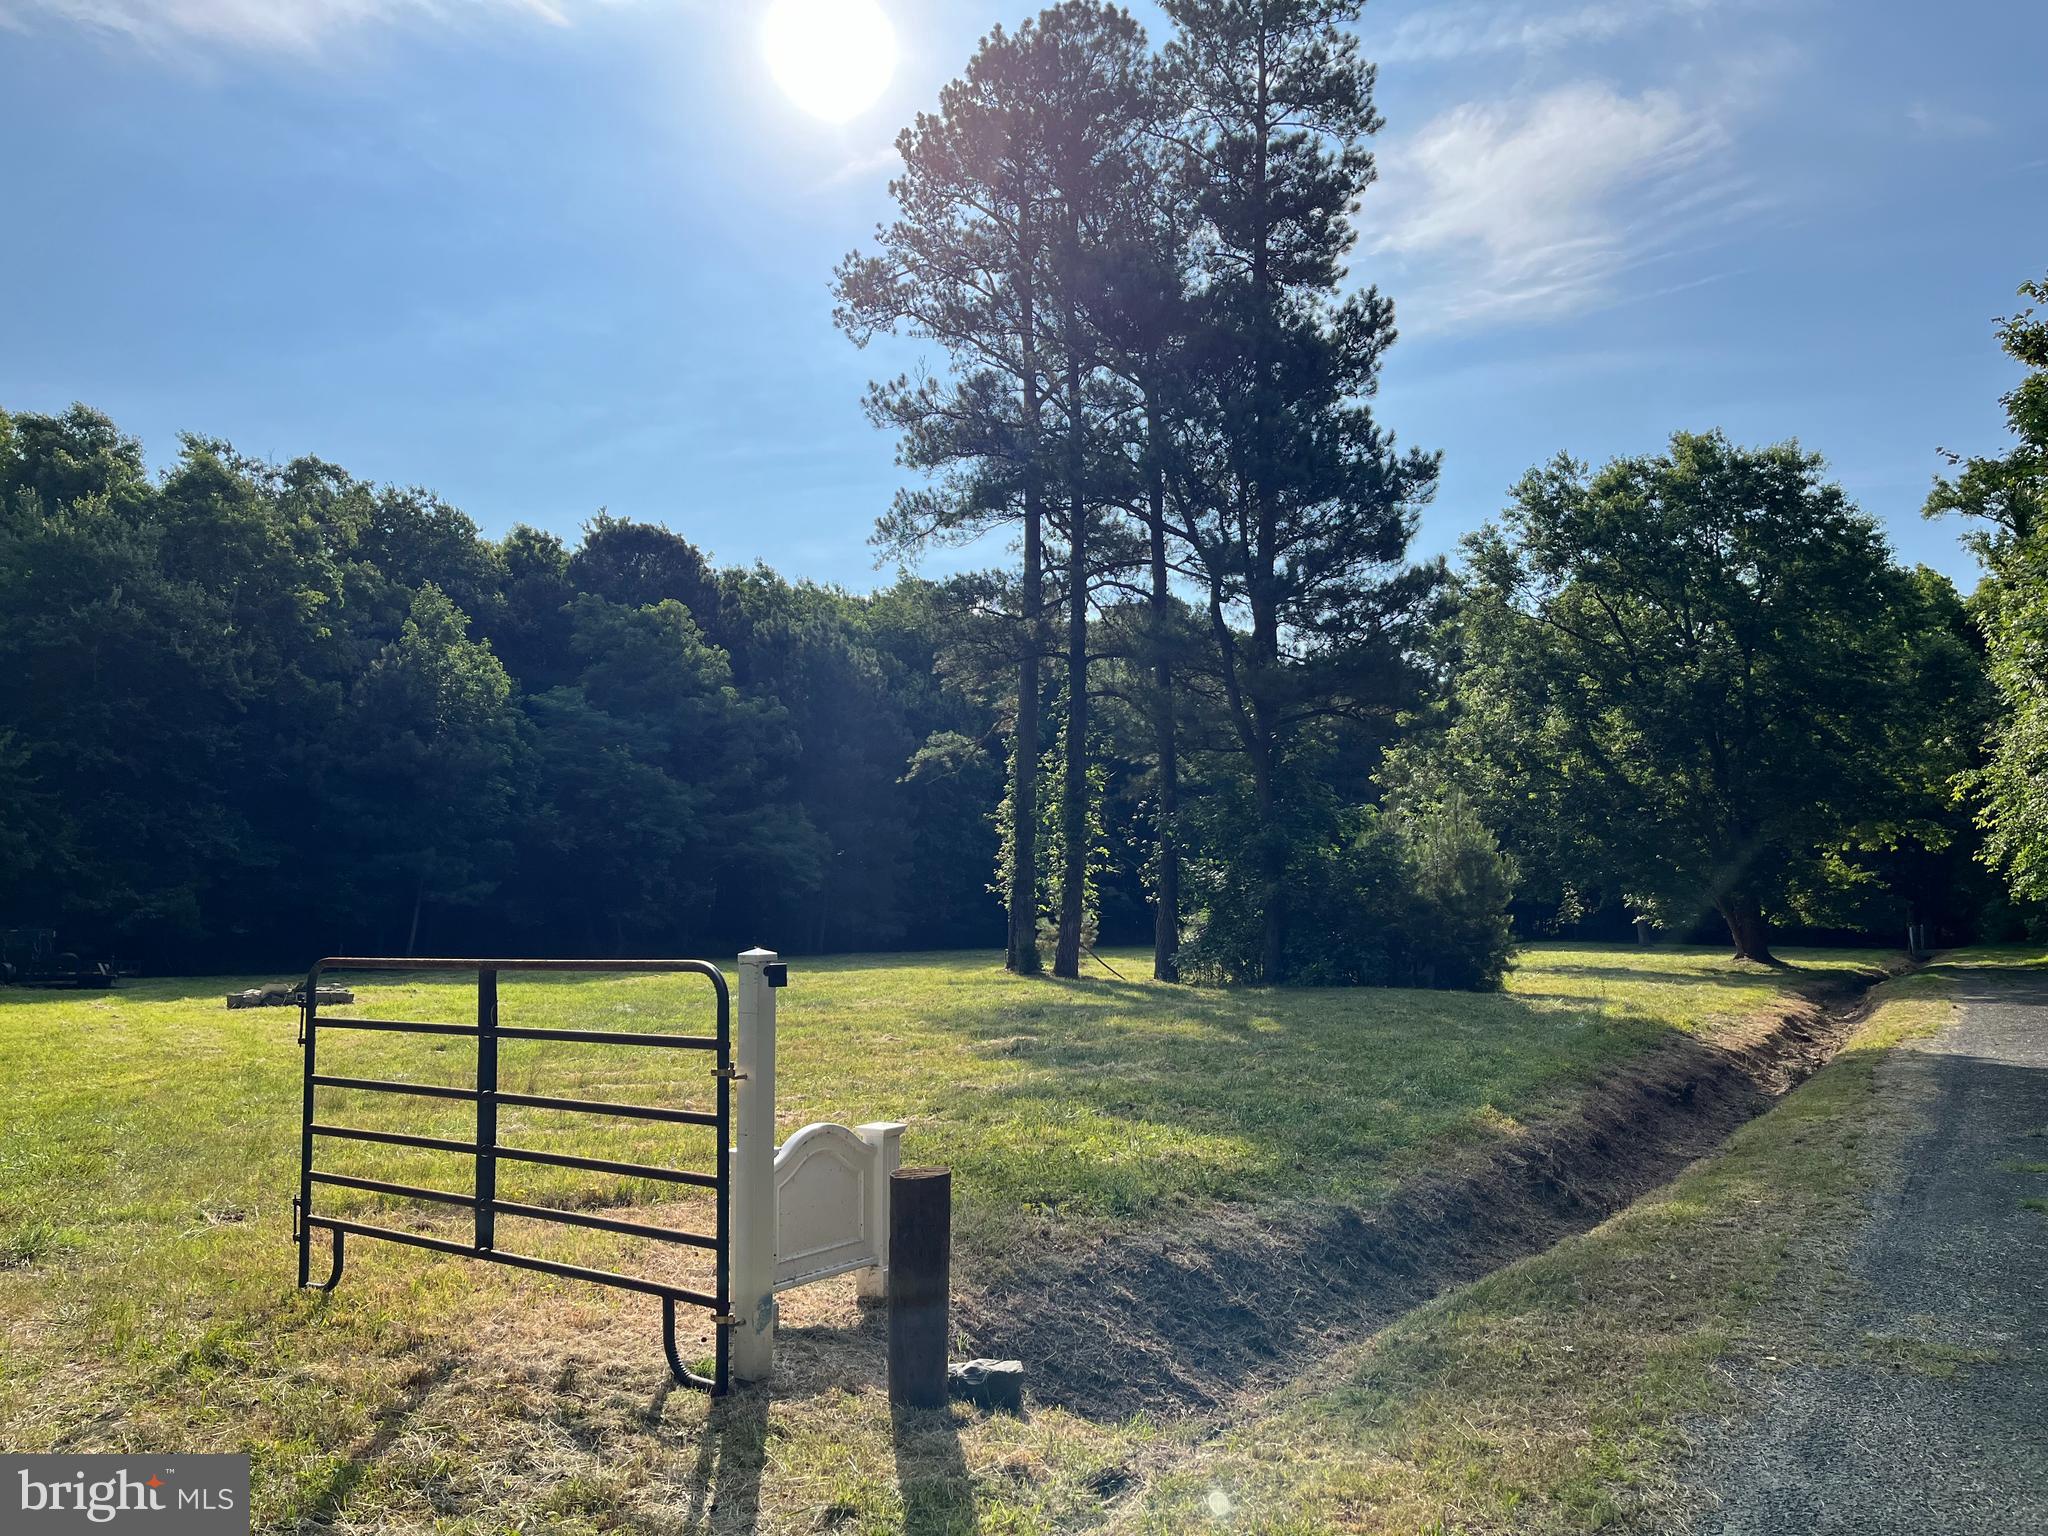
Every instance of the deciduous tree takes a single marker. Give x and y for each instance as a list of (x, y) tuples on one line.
[(1696, 663), (2009, 493)]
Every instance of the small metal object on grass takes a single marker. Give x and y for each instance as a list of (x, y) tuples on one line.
[(989, 1383)]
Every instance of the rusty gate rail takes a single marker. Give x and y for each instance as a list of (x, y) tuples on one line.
[(486, 1151)]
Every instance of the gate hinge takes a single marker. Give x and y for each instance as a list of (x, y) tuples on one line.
[(298, 1229), (727, 1072), (724, 1320)]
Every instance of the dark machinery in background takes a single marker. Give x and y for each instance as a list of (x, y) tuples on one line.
[(29, 957)]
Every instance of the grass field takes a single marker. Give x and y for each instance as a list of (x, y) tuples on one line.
[(148, 1153)]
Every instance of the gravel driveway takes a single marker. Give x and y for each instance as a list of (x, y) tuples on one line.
[(1935, 1421)]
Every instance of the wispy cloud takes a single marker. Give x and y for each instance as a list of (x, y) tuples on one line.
[(1934, 122), (875, 163), (1459, 31), (1534, 208), (284, 26)]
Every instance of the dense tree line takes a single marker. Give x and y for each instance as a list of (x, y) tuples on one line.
[(251, 711), (248, 712)]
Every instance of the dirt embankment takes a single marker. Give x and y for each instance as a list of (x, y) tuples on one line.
[(1187, 1321)]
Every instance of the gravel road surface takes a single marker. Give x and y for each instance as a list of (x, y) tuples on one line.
[(1935, 1420)]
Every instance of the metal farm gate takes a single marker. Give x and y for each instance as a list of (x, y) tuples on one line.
[(487, 1151)]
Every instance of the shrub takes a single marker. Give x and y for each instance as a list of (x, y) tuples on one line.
[(1415, 896), (1462, 883)]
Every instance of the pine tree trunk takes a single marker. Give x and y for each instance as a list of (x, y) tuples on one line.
[(1066, 956), (1266, 769), (1273, 872), (1166, 909), (1022, 951), (1066, 959), (1261, 579), (1022, 957)]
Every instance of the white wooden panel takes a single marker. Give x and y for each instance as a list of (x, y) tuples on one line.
[(824, 1196)]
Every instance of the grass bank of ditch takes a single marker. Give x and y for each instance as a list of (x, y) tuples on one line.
[(1553, 1395), (148, 1156)]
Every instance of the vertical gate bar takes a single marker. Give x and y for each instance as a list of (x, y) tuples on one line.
[(486, 1108), (308, 1027), (722, 1331)]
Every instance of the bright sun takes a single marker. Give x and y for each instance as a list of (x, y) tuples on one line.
[(833, 57)]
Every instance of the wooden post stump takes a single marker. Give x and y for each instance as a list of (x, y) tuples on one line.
[(920, 1281)]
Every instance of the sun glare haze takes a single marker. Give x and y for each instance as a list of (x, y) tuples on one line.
[(833, 58)]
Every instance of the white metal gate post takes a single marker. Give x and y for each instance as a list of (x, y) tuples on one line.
[(753, 1175)]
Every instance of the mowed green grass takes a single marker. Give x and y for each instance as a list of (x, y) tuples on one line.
[(148, 1156)]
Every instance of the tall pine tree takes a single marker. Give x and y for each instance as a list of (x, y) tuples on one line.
[(962, 265), (1304, 506)]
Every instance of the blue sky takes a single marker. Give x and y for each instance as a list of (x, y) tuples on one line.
[(550, 255)]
